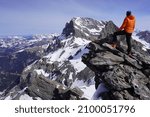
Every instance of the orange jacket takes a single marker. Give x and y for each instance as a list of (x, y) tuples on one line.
[(128, 24)]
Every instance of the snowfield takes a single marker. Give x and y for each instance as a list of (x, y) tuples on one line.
[(69, 50)]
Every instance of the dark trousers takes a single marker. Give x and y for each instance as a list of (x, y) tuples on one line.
[(128, 38)]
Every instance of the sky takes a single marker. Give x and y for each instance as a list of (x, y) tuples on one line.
[(25, 17)]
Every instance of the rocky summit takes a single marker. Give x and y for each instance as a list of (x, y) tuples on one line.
[(125, 77), (78, 64)]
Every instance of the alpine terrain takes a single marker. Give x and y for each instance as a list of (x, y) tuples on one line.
[(78, 64)]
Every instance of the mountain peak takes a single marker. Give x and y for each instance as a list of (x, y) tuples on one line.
[(85, 21), (84, 27)]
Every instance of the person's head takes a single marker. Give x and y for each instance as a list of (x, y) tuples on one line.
[(128, 13)]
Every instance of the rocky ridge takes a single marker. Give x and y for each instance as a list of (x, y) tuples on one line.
[(125, 77)]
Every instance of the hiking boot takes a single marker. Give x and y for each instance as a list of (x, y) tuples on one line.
[(114, 45)]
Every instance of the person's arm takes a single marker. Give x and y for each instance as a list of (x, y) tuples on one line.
[(123, 24)]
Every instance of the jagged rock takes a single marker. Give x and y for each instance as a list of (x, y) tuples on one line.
[(132, 62), (125, 77), (103, 60), (47, 89), (106, 58), (110, 28), (43, 88)]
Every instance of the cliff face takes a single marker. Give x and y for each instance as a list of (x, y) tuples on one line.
[(125, 77)]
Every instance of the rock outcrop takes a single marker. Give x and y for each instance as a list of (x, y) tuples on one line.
[(125, 77)]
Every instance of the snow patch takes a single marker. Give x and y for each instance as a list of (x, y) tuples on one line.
[(8, 98), (64, 71), (77, 62), (81, 41), (41, 72), (78, 65), (38, 90), (87, 89), (20, 51), (68, 50), (20, 92), (70, 76), (78, 83), (79, 22), (38, 98), (25, 97), (2, 92)]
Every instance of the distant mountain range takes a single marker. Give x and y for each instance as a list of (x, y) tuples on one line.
[(144, 35), (74, 65)]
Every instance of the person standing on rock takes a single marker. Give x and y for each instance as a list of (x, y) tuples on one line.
[(126, 29)]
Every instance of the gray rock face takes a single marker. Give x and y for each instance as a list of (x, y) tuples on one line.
[(125, 77), (46, 89)]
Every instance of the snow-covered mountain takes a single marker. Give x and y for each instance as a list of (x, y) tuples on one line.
[(84, 27), (144, 35), (145, 44), (144, 38), (51, 65), (23, 42)]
